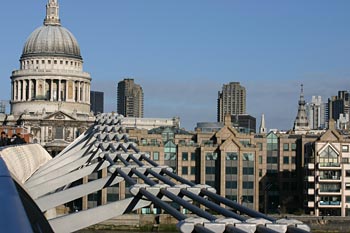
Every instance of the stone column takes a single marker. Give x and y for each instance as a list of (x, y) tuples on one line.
[(66, 91), (78, 99), (84, 92), (44, 89), (51, 90), (14, 90), (24, 90), (74, 97), (19, 90), (88, 93), (59, 90), (30, 90), (36, 87)]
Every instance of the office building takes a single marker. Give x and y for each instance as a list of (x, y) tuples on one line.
[(97, 102), (316, 113), (244, 123), (339, 108), (231, 100), (129, 99)]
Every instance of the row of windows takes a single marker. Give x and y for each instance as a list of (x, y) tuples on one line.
[(185, 170), (53, 62), (233, 185), (230, 170), (185, 156), (274, 160)]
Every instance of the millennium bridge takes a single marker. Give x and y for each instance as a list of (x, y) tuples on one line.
[(33, 185)]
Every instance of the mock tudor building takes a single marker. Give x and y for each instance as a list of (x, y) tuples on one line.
[(50, 93)]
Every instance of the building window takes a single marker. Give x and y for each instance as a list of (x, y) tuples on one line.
[(285, 160), (248, 185), (43, 62), (329, 158), (271, 171), (294, 147), (293, 160), (184, 156), (49, 61), (272, 142), (193, 170), (61, 62), (211, 183), (59, 133), (231, 184), (211, 156), (193, 156), (260, 146), (347, 199), (184, 170), (248, 157), (285, 146), (345, 148), (231, 197), (248, 171), (345, 160), (272, 160), (260, 172), (330, 188), (247, 199), (260, 159), (210, 170), (231, 170), (156, 156), (231, 156)]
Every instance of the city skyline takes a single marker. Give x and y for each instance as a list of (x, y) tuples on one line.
[(189, 50)]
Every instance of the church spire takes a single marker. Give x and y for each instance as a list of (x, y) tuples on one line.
[(301, 123), (263, 129), (52, 13)]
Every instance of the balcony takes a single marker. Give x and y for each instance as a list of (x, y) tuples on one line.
[(329, 192), (329, 204), (329, 166), (329, 179)]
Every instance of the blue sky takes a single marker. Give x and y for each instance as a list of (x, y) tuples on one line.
[(182, 52)]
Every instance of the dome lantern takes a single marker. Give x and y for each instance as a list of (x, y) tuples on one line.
[(51, 39), (52, 13)]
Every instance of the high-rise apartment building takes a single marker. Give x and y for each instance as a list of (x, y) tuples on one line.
[(130, 99), (316, 113), (97, 102), (339, 105), (231, 100)]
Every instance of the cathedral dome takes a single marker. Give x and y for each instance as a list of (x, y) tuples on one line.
[(51, 40)]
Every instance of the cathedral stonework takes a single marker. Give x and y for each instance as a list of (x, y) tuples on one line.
[(50, 93)]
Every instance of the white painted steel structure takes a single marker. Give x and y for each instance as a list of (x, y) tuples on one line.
[(106, 145)]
